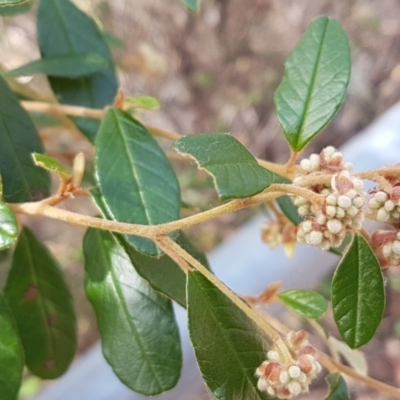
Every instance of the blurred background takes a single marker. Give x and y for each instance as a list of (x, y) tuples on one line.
[(217, 72)]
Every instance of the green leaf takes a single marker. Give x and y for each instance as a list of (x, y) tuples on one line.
[(1, 187), (289, 209), (12, 7), (228, 346), (42, 307), (135, 177), (8, 226), (235, 171), (145, 102), (71, 66), (140, 339), (337, 388), (11, 354), (315, 81), (22, 181), (358, 294), (50, 164), (306, 303), (192, 5), (65, 31)]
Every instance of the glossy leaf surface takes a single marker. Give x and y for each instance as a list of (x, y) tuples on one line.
[(11, 354), (315, 81), (51, 164), (136, 180), (42, 307), (8, 226), (65, 31), (358, 294), (235, 171), (140, 339), (22, 180), (306, 303), (227, 344), (12, 7), (337, 388), (71, 66)]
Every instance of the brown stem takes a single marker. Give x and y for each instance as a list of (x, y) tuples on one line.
[(166, 248)]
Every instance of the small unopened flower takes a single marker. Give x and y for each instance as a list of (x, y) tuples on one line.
[(326, 226), (386, 245), (384, 206), (285, 378)]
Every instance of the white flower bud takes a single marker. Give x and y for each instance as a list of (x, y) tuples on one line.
[(273, 355), (396, 247), (262, 385), (294, 371), (321, 219), (381, 196), (331, 200), (340, 213), (389, 205), (373, 203), (387, 250), (382, 215), (352, 211), (305, 164), (358, 184), (271, 391), (334, 225), (328, 152), (284, 377), (314, 238), (358, 201), (348, 166), (331, 211), (351, 193), (303, 210), (344, 201), (307, 226), (294, 387)]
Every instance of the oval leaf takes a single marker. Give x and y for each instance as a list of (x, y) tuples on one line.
[(42, 306), (337, 388), (72, 66), (135, 177), (22, 181), (358, 294), (65, 31), (8, 226), (227, 344), (140, 339), (11, 354), (316, 77), (12, 7), (306, 303), (236, 172)]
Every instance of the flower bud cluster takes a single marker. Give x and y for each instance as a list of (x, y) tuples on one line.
[(285, 379), (325, 226), (384, 206), (386, 245), (280, 232)]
